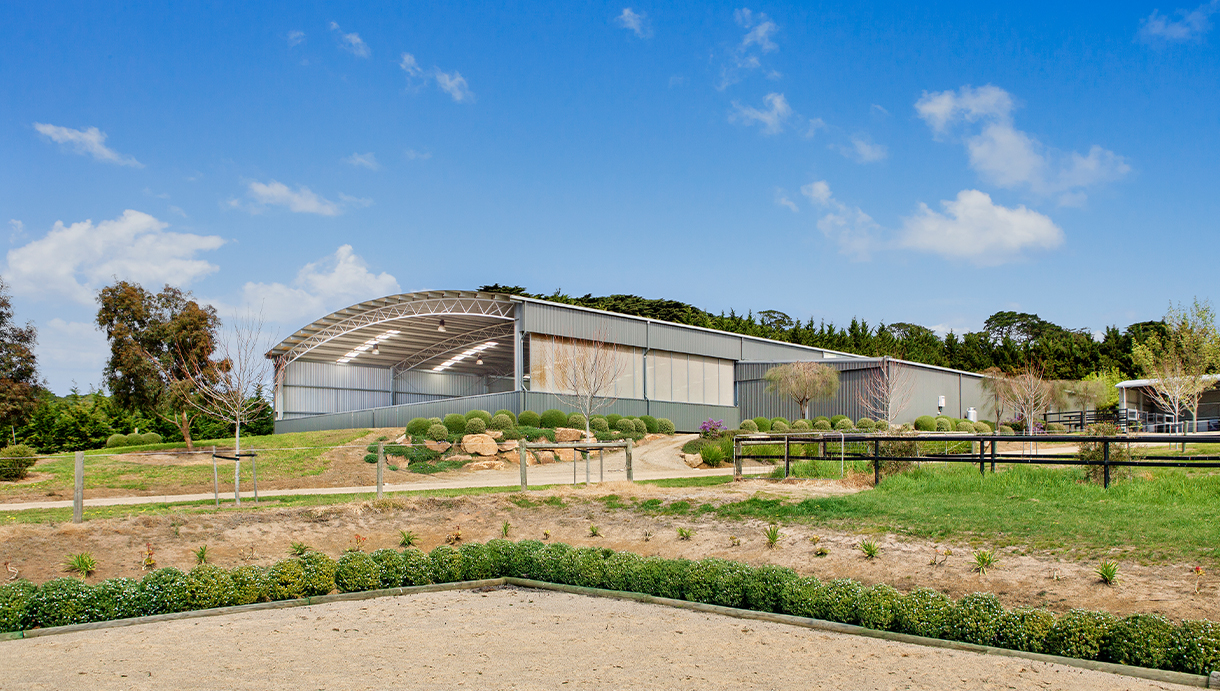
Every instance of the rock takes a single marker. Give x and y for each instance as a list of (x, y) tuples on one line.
[(692, 459), (495, 433), (489, 464), (458, 457), (480, 444), (544, 456), (565, 455), (402, 438), (437, 446), (564, 435), (509, 445)]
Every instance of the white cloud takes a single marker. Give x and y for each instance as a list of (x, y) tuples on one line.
[(455, 85), (414, 155), (75, 260), (368, 160), (744, 57), (676, 80), (91, 141), (854, 231), (295, 38), (352, 42), (975, 229), (409, 65), (815, 124), (761, 29), (878, 110), (1009, 157), (1188, 25), (781, 199), (862, 150), (303, 200), (818, 192), (319, 287), (16, 230), (772, 119), (360, 202), (637, 23)]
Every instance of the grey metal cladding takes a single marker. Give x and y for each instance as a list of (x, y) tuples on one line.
[(679, 339), (332, 375), (764, 350), (755, 401), (557, 320)]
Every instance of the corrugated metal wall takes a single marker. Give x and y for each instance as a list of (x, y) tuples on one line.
[(762, 350), (556, 320), (694, 342), (311, 388)]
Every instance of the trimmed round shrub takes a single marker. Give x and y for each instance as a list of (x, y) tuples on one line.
[(15, 600), (416, 567), (504, 411), (16, 461), (835, 419), (501, 552), (925, 423), (943, 425), (716, 582), (780, 419), (821, 417), (121, 597), (779, 426), (976, 618), (477, 562), (878, 607), (1080, 633), (965, 426), (438, 432), (391, 571), (418, 427), (1005, 431), (116, 440), (356, 571), (923, 612), (163, 591), (527, 559), (250, 584), (800, 426), (475, 425), (620, 571), (821, 425), (839, 600), (208, 586), (865, 424), (529, 419), (1056, 427), (456, 424), (612, 420), (625, 425), (748, 425), (480, 414), (1196, 649), (1025, 629), (981, 428), (1143, 640), (663, 577), (666, 426), (550, 566), (150, 438), (502, 422), (554, 418), (881, 426), (599, 424), (584, 567), (640, 427), (286, 580), (843, 425), (436, 421), (764, 425), (445, 564), (764, 585), (61, 602), (650, 423), (800, 597), (319, 573), (576, 421)]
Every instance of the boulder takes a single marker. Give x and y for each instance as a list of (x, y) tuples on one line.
[(544, 456), (488, 464), (566, 435), (437, 446), (692, 459), (495, 433), (481, 444), (565, 455), (509, 445), (400, 439), (458, 457)]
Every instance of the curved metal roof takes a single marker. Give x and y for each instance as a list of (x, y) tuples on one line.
[(403, 331)]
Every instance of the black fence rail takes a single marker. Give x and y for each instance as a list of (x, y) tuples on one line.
[(869, 447)]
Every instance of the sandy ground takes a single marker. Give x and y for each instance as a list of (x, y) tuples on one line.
[(263, 537), (507, 638)]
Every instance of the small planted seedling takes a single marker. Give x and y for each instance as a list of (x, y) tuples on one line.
[(821, 552), (505, 528), (984, 559), (734, 541), (647, 535), (685, 533), (150, 562), (357, 543), (82, 564), (406, 538), (298, 549), (773, 536), (815, 539), (594, 531), (201, 554), (1107, 571), (546, 535), (939, 557), (1198, 571), (870, 549), (454, 537)]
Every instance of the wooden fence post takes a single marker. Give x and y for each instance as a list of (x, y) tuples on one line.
[(525, 463), (215, 478), (787, 458), (78, 489), (630, 473), (380, 466), (736, 458)]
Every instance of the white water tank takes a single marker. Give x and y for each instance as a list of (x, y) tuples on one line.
[(972, 415)]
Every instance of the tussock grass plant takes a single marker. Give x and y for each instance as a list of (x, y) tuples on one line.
[(1107, 571), (407, 538), (201, 554), (685, 533), (81, 564), (870, 548), (984, 560), (773, 536)]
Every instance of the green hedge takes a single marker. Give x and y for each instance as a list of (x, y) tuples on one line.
[(925, 423), (666, 426), (418, 427), (1142, 639), (529, 419), (554, 418), (455, 423)]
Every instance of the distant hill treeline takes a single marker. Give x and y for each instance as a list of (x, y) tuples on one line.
[(1008, 340)]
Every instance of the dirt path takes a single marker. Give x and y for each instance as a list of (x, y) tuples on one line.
[(507, 638)]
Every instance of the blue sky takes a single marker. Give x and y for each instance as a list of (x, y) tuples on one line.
[(931, 165)]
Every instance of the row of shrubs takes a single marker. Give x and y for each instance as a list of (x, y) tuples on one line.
[(479, 421), (117, 440), (821, 423), (944, 423), (1144, 640)]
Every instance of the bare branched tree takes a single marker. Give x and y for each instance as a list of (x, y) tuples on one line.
[(1028, 394), (231, 388), (887, 390), (803, 382), (1178, 363), (996, 383), (583, 372)]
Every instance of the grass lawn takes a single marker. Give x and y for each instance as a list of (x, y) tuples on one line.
[(280, 456)]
